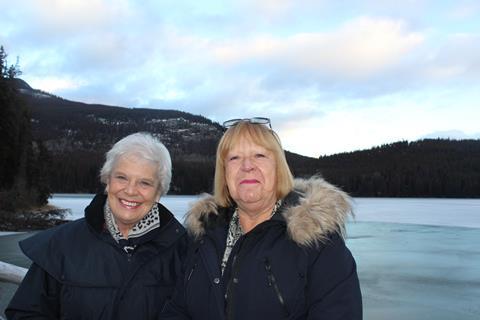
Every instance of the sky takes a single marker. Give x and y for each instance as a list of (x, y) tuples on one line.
[(333, 76)]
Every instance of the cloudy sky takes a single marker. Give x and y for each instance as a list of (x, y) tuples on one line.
[(334, 76)]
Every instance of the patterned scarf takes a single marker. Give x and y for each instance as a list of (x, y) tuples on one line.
[(235, 232), (149, 222)]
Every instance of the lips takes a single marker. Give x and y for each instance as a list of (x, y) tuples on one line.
[(129, 204), (249, 181)]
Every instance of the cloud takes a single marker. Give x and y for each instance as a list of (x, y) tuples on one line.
[(54, 84), (53, 19), (458, 58), (465, 10), (267, 67), (359, 49), (316, 67), (354, 59), (90, 33), (269, 9)]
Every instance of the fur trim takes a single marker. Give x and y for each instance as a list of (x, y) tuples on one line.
[(322, 209), (198, 214)]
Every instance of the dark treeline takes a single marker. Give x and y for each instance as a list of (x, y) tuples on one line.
[(425, 168), (78, 172), (23, 161)]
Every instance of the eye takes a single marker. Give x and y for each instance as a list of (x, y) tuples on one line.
[(146, 184), (233, 157), (120, 177), (260, 155)]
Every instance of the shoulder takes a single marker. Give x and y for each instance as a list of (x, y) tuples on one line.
[(171, 230), (56, 236), (47, 248), (204, 214), (315, 210), (331, 262)]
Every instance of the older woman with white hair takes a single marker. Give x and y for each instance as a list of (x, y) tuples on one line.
[(122, 259)]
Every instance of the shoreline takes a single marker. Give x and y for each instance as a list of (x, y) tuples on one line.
[(31, 220)]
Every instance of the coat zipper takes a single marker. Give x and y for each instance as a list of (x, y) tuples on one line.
[(272, 282)]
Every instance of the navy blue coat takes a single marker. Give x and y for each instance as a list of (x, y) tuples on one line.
[(80, 272), (293, 266)]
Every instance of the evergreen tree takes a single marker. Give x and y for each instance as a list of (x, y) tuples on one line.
[(10, 128), (22, 167), (14, 70), (3, 62)]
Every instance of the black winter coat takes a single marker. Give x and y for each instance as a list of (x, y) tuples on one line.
[(80, 272), (293, 266)]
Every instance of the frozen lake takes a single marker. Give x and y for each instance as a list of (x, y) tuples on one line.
[(438, 212), (417, 258)]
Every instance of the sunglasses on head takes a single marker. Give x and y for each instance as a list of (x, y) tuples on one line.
[(256, 120)]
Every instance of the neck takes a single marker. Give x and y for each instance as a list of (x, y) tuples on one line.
[(249, 220), (124, 229)]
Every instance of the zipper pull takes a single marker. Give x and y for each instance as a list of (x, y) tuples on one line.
[(191, 272), (129, 249), (268, 269)]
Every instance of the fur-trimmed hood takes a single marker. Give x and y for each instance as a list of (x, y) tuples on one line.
[(321, 209)]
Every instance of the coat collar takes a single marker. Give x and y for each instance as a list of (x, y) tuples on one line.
[(170, 229), (318, 210)]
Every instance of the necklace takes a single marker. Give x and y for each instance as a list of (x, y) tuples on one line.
[(275, 207)]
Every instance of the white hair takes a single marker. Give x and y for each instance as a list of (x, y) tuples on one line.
[(145, 146)]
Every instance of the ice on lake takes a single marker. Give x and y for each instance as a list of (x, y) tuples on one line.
[(416, 258), (412, 271)]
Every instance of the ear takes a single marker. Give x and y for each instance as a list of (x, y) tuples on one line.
[(159, 195)]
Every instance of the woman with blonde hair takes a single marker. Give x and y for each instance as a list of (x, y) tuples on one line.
[(266, 246)]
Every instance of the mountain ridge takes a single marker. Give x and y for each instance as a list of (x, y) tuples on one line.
[(78, 134)]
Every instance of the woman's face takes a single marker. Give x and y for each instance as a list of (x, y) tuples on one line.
[(132, 190), (250, 171)]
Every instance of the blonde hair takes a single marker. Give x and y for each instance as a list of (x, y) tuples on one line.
[(258, 134)]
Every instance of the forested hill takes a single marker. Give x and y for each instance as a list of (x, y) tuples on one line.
[(77, 135), (425, 168)]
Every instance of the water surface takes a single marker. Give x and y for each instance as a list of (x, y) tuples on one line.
[(416, 258)]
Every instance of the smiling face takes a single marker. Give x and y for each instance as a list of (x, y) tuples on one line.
[(250, 173), (132, 190)]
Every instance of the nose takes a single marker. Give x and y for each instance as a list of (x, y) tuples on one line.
[(247, 164), (131, 188)]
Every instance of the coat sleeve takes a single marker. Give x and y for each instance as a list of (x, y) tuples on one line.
[(333, 290), (37, 297)]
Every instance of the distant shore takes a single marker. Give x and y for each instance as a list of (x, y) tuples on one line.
[(35, 219)]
